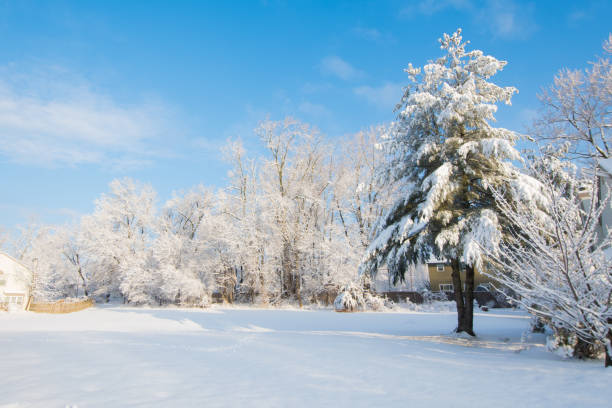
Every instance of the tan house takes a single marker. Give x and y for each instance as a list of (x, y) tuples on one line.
[(15, 284), (440, 278)]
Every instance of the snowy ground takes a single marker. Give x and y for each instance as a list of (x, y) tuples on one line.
[(127, 357)]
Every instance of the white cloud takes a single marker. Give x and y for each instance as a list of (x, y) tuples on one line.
[(385, 96), (53, 118), (336, 66)]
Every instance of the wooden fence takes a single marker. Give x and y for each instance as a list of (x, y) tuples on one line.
[(60, 306)]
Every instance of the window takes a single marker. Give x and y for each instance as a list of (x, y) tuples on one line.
[(446, 287), (13, 299), (440, 267)]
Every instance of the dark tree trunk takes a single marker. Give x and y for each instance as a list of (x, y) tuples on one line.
[(465, 306), (458, 294), (469, 300), (287, 278), (608, 347), (80, 271)]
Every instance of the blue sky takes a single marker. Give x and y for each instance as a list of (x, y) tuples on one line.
[(92, 91)]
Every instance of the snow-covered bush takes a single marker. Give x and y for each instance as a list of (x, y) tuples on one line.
[(562, 342), (353, 297), (350, 299), (537, 325), (376, 303), (429, 296)]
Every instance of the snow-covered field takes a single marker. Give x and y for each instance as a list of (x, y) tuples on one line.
[(129, 357)]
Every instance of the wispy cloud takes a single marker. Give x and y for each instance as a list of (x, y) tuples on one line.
[(506, 19), (577, 16), (583, 12), (312, 88), (502, 18), (385, 96), (52, 118), (336, 66), (430, 7), (313, 109), (373, 34), (208, 144), (527, 116)]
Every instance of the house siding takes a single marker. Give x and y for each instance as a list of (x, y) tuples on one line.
[(437, 278), (15, 282)]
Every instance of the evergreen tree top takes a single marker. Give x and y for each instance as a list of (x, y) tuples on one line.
[(447, 156)]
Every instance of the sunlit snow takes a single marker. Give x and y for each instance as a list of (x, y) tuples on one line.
[(121, 356)]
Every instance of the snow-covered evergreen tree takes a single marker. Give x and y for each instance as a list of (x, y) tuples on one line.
[(445, 156)]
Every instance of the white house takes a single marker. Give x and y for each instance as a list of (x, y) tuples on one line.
[(15, 284), (605, 182)]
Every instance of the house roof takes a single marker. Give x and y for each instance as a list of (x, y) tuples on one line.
[(27, 273), (14, 260)]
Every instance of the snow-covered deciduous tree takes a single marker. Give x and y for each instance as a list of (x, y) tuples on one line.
[(3, 238), (577, 109), (291, 225), (294, 184), (22, 241), (294, 224), (57, 263), (117, 237), (248, 222), (555, 260), (445, 158), (359, 194), (178, 249)]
